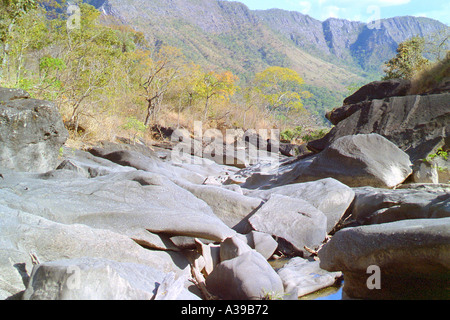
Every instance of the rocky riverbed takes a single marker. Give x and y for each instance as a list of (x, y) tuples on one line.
[(121, 221)]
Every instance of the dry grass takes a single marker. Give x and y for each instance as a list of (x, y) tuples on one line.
[(431, 77)]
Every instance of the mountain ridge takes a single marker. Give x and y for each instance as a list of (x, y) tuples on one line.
[(227, 34)]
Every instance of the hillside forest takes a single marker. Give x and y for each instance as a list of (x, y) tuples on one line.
[(108, 81)]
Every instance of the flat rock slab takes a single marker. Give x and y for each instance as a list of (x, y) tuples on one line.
[(231, 207), (129, 203), (328, 195), (294, 220), (96, 279), (22, 234)]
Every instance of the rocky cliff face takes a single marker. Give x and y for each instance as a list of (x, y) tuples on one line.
[(377, 43), (369, 45), (340, 35)]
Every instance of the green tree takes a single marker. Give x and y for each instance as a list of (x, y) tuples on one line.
[(136, 126), (408, 61), (10, 12), (92, 56), (29, 35), (183, 94)]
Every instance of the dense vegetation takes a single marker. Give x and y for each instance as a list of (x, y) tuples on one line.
[(109, 79)]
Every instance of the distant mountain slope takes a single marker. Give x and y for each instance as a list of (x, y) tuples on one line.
[(226, 34)]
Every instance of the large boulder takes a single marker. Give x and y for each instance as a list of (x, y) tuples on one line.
[(398, 260), (419, 125), (360, 160), (328, 195), (246, 277), (31, 133), (357, 160), (373, 205), (380, 90), (363, 96), (294, 220)]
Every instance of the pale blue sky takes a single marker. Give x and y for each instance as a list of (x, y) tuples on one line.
[(360, 10)]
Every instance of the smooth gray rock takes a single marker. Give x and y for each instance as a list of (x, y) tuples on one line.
[(129, 203), (328, 195), (356, 161), (233, 247), (417, 124), (373, 205), (22, 234), (31, 133), (262, 242), (267, 176), (246, 277), (413, 257), (360, 160), (88, 165), (294, 220), (231, 207), (95, 279), (148, 162)]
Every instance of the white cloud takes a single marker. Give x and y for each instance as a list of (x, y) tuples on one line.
[(305, 6), (361, 10), (332, 11), (440, 15)]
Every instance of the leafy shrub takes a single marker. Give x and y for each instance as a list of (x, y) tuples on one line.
[(315, 135), (289, 135)]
